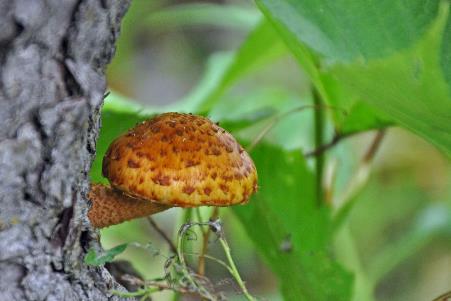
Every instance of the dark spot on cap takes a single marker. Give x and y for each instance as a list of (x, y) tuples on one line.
[(214, 175), (155, 129), (164, 138), (179, 132), (161, 180), (116, 155), (150, 157), (207, 190), (227, 178), (224, 188), (133, 164), (216, 151), (191, 163), (188, 190)]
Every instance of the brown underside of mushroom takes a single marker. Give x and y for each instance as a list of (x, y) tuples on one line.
[(111, 207)]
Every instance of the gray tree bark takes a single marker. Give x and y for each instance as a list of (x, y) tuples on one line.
[(53, 54)]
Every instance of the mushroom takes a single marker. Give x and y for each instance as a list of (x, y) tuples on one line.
[(171, 160)]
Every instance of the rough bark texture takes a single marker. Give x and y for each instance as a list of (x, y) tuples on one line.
[(52, 59)]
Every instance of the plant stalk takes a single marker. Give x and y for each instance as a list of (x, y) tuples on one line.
[(234, 270), (319, 141)]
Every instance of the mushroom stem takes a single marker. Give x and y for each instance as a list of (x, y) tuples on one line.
[(111, 207)]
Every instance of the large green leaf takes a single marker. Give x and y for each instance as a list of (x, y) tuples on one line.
[(291, 231), (350, 29), (408, 86), (392, 54), (446, 52)]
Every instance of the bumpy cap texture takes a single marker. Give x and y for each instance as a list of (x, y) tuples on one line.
[(181, 160)]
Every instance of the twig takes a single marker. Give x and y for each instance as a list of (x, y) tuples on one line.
[(206, 237), (371, 152), (162, 234), (161, 286), (444, 297), (324, 147), (277, 118), (319, 137), (363, 170)]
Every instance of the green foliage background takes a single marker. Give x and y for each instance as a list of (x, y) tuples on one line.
[(377, 64)]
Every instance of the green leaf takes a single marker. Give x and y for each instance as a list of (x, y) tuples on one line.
[(408, 86), (347, 29), (393, 55), (328, 87), (290, 231), (446, 52), (98, 259), (224, 69), (204, 14)]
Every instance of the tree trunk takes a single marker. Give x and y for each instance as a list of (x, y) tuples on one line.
[(53, 54)]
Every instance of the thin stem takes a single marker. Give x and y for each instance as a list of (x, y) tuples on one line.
[(371, 151), (277, 118), (199, 219), (324, 147), (137, 293), (163, 234), (363, 170), (319, 138), (180, 254), (444, 297), (205, 239), (181, 257), (219, 261), (234, 270), (216, 227)]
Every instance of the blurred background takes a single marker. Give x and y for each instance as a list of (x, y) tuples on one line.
[(169, 52)]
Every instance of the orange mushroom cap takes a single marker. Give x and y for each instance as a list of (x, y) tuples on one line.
[(181, 160)]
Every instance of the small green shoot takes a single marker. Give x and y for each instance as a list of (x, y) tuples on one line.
[(97, 259)]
